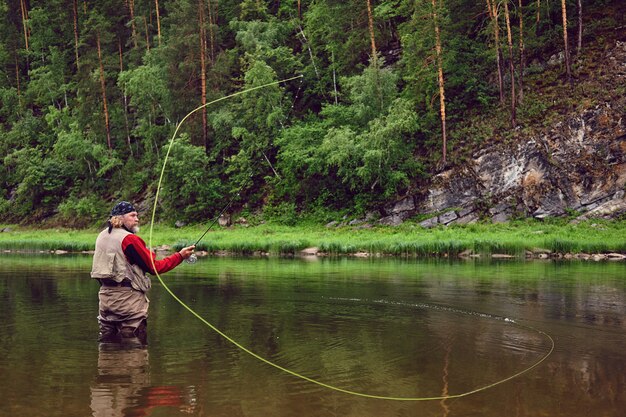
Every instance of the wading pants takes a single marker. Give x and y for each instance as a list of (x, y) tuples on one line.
[(122, 310)]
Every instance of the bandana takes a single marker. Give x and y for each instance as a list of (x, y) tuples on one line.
[(121, 208)]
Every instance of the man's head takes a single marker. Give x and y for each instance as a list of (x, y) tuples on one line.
[(124, 214)]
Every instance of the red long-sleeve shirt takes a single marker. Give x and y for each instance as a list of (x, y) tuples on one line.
[(138, 254)]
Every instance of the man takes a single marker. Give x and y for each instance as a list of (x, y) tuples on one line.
[(120, 263)]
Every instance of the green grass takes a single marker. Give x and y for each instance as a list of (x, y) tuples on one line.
[(408, 240)]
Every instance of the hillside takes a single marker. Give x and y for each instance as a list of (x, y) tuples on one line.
[(310, 111), (566, 159)]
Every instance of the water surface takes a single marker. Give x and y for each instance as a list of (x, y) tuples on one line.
[(390, 328)]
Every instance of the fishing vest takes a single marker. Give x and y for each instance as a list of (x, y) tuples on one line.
[(109, 261)]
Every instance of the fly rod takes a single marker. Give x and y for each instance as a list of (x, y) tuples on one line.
[(193, 258)]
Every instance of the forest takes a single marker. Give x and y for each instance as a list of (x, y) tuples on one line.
[(292, 109)]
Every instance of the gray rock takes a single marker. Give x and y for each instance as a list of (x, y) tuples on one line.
[(448, 217), (393, 220), (432, 222), (465, 211), (469, 219), (406, 204), (224, 220), (501, 218)]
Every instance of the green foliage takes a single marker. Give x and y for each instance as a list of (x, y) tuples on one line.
[(25, 177), (81, 211), (9, 106), (532, 110), (147, 89), (364, 145), (190, 190), (284, 214), (349, 136)]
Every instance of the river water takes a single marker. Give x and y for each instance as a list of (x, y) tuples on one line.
[(469, 338)]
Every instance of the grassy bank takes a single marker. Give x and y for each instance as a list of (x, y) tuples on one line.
[(515, 238)]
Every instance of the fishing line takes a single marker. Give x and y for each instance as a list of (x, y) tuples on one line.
[(286, 370), (193, 258)]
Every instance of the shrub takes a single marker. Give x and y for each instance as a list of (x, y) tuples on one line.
[(81, 211)]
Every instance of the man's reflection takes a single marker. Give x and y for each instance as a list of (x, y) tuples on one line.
[(122, 386)]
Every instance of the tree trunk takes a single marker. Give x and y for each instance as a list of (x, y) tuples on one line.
[(579, 46), (522, 55), (538, 17), (126, 122), (119, 53), (104, 93), (511, 65), (442, 96), (158, 17), (145, 26), (216, 14), (203, 72), (17, 80), (133, 26), (75, 10), (568, 68), (370, 21), (336, 94), (445, 380), (493, 13), (211, 33), (25, 23)]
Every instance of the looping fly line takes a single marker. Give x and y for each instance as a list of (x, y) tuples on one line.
[(281, 368)]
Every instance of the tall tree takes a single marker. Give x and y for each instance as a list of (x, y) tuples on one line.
[(203, 50), (105, 106), (538, 17), (25, 27), (522, 52), (131, 11), (158, 19), (17, 80), (568, 68), (492, 7), (212, 28), (442, 95), (75, 21), (579, 44), (125, 97), (370, 25), (145, 28), (511, 64)]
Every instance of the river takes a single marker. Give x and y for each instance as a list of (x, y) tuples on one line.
[(320, 337)]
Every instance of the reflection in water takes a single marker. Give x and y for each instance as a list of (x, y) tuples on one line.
[(123, 388), (384, 327), (446, 374)]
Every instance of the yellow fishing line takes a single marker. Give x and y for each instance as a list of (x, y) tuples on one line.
[(288, 371)]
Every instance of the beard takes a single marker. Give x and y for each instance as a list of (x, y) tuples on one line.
[(135, 229)]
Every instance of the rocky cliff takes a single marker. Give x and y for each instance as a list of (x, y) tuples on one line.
[(575, 167)]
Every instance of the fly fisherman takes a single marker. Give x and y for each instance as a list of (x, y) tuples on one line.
[(120, 263)]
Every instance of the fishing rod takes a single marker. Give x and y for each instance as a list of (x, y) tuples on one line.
[(193, 258)]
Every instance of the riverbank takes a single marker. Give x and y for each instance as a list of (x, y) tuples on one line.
[(556, 238)]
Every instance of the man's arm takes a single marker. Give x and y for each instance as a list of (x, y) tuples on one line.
[(137, 253)]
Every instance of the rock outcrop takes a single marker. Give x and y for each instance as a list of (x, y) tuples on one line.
[(576, 167)]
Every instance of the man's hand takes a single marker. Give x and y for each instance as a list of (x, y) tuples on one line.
[(187, 252)]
